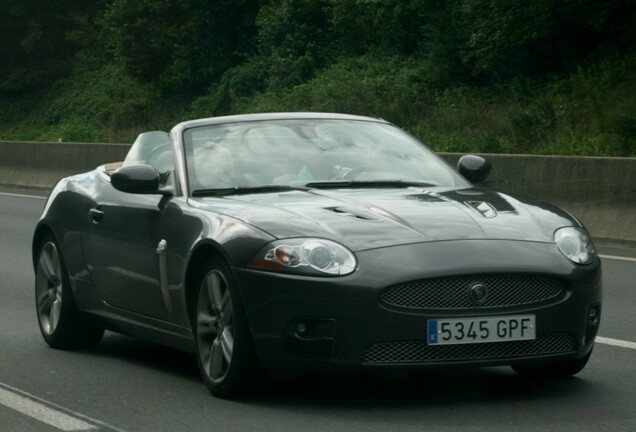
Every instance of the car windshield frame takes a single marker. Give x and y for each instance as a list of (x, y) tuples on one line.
[(294, 152)]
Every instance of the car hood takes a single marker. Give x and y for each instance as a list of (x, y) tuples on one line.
[(372, 218)]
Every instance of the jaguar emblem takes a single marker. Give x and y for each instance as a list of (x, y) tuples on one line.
[(478, 292)]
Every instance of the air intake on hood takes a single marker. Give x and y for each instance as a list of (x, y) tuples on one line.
[(354, 213), (483, 208)]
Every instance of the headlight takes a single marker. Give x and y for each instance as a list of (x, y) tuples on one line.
[(305, 256), (576, 244)]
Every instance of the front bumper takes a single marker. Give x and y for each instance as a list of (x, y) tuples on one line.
[(347, 322)]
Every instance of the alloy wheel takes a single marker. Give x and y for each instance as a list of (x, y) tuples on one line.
[(215, 326), (49, 288)]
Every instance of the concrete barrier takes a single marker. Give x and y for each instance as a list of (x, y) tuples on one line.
[(41, 165), (575, 179), (601, 192)]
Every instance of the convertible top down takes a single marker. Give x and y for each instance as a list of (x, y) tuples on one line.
[(313, 241)]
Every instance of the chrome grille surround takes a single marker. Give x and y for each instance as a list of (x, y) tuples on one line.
[(453, 292), (416, 352)]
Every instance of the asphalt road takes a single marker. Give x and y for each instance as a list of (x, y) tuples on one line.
[(127, 385)]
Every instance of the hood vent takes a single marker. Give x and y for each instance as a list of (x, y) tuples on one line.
[(483, 208), (354, 213)]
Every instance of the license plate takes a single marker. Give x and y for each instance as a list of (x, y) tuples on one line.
[(481, 330)]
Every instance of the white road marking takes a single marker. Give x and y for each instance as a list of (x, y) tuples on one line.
[(620, 258), (48, 412), (22, 195), (616, 342), (43, 413)]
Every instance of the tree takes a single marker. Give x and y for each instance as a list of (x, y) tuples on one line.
[(35, 47), (182, 44), (508, 38)]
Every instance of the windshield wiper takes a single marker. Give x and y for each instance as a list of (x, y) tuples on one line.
[(333, 184), (240, 190), (337, 184)]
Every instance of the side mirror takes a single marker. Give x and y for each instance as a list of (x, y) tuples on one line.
[(137, 179), (474, 168)]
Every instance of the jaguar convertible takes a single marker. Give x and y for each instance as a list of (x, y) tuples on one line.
[(313, 241)]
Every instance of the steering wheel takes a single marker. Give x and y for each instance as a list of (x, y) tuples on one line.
[(354, 172)]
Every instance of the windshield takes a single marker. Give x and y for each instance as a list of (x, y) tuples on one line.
[(309, 152)]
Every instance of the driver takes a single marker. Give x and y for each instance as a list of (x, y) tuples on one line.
[(214, 166)]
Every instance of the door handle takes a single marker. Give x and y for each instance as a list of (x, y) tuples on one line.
[(96, 215)]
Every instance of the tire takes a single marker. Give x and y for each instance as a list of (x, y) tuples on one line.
[(61, 324), (224, 348), (554, 370)]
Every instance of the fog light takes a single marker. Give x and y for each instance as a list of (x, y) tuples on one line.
[(594, 315), (301, 328), (593, 321), (310, 337)]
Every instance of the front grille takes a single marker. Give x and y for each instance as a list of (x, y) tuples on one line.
[(420, 352), (454, 293)]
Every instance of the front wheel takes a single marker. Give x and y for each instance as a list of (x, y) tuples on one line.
[(225, 353), (61, 324), (553, 370)]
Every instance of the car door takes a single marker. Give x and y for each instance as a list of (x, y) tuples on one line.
[(121, 241)]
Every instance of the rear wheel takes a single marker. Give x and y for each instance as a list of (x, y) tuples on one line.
[(553, 370), (225, 353), (61, 324)]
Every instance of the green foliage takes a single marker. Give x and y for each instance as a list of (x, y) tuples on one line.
[(242, 81), (99, 105), (387, 87), (35, 48), (541, 76), (297, 38), (591, 112), (293, 38), (506, 38), (442, 42), (180, 45), (390, 26)]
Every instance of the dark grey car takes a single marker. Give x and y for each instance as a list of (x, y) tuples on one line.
[(313, 241)]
